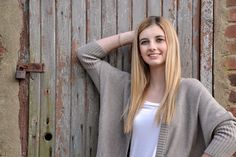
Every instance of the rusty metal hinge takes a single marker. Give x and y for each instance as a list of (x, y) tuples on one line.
[(22, 68)]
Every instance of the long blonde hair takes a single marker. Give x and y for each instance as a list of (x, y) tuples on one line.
[(140, 74)]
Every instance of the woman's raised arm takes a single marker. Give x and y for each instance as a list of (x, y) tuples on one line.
[(115, 41)]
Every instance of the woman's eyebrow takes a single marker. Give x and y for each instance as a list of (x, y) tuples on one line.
[(143, 39), (160, 36)]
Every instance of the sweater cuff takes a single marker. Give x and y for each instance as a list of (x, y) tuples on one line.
[(93, 49), (96, 50), (223, 145), (90, 54)]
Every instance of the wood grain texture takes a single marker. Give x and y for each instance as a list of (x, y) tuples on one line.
[(48, 91), (123, 25), (196, 39), (184, 28), (206, 43), (170, 11), (139, 12), (78, 138), (63, 78), (34, 84), (154, 7)]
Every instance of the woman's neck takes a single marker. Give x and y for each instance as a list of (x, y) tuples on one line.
[(157, 78), (156, 88)]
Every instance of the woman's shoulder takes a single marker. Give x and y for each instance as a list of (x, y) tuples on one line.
[(191, 84)]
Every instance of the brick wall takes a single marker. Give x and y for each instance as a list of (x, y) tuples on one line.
[(230, 60), (225, 54)]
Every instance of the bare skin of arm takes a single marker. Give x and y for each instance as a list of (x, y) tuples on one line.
[(115, 41)]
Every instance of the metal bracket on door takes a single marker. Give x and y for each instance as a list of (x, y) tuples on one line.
[(22, 68)]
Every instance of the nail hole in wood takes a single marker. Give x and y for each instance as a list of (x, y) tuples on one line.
[(48, 136)]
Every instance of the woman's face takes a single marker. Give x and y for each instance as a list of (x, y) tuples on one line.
[(153, 46)]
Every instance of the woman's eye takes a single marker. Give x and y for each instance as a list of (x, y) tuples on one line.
[(143, 42), (159, 40)]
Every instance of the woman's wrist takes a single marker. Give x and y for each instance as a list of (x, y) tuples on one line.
[(115, 41), (126, 38), (205, 155)]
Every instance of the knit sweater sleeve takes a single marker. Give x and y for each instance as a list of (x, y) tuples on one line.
[(223, 142), (90, 56), (218, 125)]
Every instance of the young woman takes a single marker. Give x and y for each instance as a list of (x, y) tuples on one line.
[(153, 112)]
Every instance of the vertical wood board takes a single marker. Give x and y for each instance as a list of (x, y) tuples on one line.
[(154, 7), (48, 96), (184, 30), (63, 78), (77, 147), (139, 12), (170, 11), (34, 85), (196, 39), (123, 25), (206, 43)]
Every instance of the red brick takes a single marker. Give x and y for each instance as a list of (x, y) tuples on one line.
[(230, 31), (232, 97), (230, 62), (231, 47), (232, 79), (232, 15), (230, 3)]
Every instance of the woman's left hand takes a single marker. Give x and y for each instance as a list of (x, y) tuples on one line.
[(205, 155)]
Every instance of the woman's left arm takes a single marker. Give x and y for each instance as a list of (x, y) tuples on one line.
[(218, 125), (205, 155), (223, 141)]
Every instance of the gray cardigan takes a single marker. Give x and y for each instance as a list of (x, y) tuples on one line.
[(199, 125)]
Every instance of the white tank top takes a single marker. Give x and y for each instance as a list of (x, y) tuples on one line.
[(145, 131)]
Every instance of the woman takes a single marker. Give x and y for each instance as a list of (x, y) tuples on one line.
[(154, 112)]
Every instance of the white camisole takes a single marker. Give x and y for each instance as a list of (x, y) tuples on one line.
[(145, 131)]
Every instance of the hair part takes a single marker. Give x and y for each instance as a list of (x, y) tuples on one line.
[(140, 74)]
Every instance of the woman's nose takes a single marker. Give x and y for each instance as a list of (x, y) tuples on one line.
[(152, 46)]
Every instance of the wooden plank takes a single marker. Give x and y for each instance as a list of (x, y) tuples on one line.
[(34, 84), (196, 39), (139, 12), (170, 11), (206, 43), (78, 80), (91, 104), (154, 7), (47, 114), (94, 25), (63, 79), (109, 24), (185, 35), (123, 25), (92, 109)]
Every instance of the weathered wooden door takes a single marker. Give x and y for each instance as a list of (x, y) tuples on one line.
[(63, 102)]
